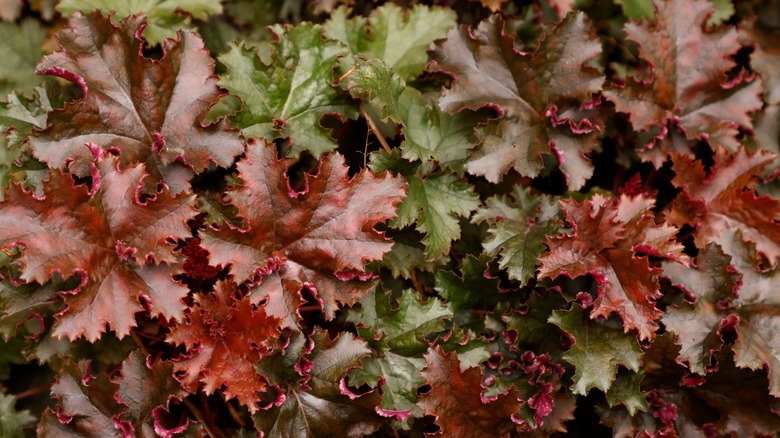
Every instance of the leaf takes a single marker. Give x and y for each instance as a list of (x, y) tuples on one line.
[(20, 302), (225, 337), (23, 114), (10, 10), (713, 284), (541, 96), (18, 117), (456, 401), (20, 52), (13, 422), (320, 238), (531, 327), (518, 231), (724, 199), (597, 350), (724, 9), (689, 82), (428, 132), (756, 309), (637, 9), (165, 17), (434, 204), (472, 288), (86, 406), (402, 329), (765, 58), (286, 88), (150, 110), (146, 388), (406, 257), (385, 35), (321, 408), (626, 282), (625, 390), (731, 401), (399, 340), (114, 242)]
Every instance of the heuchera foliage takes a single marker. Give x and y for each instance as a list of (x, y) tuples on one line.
[(338, 218)]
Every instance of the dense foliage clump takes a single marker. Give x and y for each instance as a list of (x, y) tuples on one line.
[(350, 218)]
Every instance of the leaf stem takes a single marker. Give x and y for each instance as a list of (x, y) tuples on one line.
[(199, 415), (344, 76), (32, 391), (234, 413), (375, 130), (138, 341)]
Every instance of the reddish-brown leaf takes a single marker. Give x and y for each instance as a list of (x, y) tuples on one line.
[(86, 407), (689, 84), (543, 96), (610, 241), (723, 199), (320, 238), (225, 337), (111, 239), (731, 401), (457, 402), (150, 110), (711, 283)]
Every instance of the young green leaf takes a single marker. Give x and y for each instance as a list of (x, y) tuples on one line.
[(286, 88), (387, 34), (165, 17), (597, 350)]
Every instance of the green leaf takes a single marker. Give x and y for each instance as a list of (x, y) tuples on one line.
[(12, 422), (472, 288), (21, 50), (400, 340), (400, 376), (625, 391), (405, 258), (428, 132), (637, 9), (518, 231), (403, 328), (724, 9), (286, 87), (397, 37), (533, 330), (597, 350), (165, 17), (434, 204)]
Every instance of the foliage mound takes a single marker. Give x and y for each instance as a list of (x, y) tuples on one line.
[(345, 218)]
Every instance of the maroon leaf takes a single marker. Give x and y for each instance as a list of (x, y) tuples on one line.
[(86, 407), (722, 199), (317, 403), (728, 402), (457, 402), (320, 238), (111, 239), (225, 336), (150, 110), (689, 84), (145, 388), (712, 284), (543, 96), (608, 242)]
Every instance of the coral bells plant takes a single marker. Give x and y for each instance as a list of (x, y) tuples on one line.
[(348, 218)]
